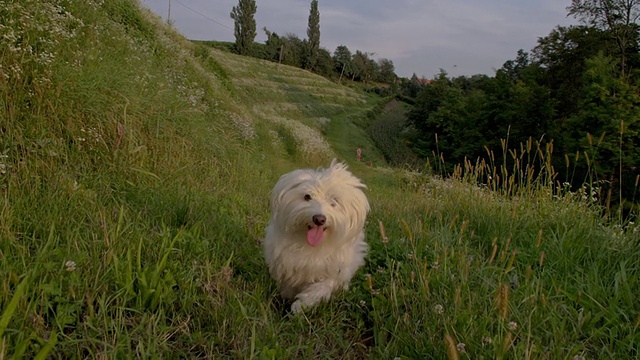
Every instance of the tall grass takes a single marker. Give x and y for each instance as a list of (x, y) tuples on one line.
[(135, 170), (552, 276), (517, 277)]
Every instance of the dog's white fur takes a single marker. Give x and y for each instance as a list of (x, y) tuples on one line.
[(305, 272)]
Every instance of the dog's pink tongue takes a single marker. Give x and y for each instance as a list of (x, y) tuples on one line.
[(315, 235)]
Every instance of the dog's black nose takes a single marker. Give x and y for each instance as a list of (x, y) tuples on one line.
[(319, 219)]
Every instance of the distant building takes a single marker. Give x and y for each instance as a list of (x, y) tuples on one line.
[(424, 81)]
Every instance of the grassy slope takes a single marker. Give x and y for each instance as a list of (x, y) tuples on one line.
[(147, 161)]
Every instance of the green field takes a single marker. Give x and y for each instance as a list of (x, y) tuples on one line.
[(135, 172)]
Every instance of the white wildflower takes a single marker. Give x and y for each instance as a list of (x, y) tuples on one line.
[(70, 265), (439, 309)]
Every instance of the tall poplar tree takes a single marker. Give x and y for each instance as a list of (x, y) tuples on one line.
[(313, 36), (244, 25)]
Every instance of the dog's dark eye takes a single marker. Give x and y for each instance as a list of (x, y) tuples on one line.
[(307, 197), (334, 203)]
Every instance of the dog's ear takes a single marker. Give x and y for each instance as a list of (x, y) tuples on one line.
[(338, 170), (287, 183)]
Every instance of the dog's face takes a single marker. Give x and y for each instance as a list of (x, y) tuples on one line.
[(320, 205)]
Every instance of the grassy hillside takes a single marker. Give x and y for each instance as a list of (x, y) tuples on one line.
[(135, 170)]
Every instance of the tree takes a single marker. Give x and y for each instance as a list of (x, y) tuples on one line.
[(313, 36), (294, 50), (437, 116), (342, 59), (606, 124), (324, 65), (562, 54), (514, 68), (413, 86), (619, 17), (274, 46), (244, 25), (386, 72), (363, 66)]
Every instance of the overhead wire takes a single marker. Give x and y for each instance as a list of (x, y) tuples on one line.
[(203, 15)]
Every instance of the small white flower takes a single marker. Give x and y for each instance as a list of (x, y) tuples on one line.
[(70, 265), (513, 326), (439, 309), (461, 348)]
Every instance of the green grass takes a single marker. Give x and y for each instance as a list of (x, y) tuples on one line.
[(135, 171)]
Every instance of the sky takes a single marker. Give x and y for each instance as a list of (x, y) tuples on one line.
[(461, 37)]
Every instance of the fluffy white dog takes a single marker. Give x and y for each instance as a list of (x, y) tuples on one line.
[(315, 239)]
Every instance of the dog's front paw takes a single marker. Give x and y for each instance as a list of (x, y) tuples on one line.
[(296, 307)]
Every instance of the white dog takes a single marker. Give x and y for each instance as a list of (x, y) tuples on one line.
[(315, 239)]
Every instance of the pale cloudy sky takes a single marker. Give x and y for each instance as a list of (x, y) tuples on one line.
[(463, 37)]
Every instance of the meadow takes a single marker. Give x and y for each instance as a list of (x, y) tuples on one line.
[(135, 172)]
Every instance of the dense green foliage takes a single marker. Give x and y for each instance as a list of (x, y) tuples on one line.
[(343, 61), (573, 92), (135, 171), (387, 132)]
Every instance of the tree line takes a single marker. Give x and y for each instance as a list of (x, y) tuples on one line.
[(578, 89), (307, 53)]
